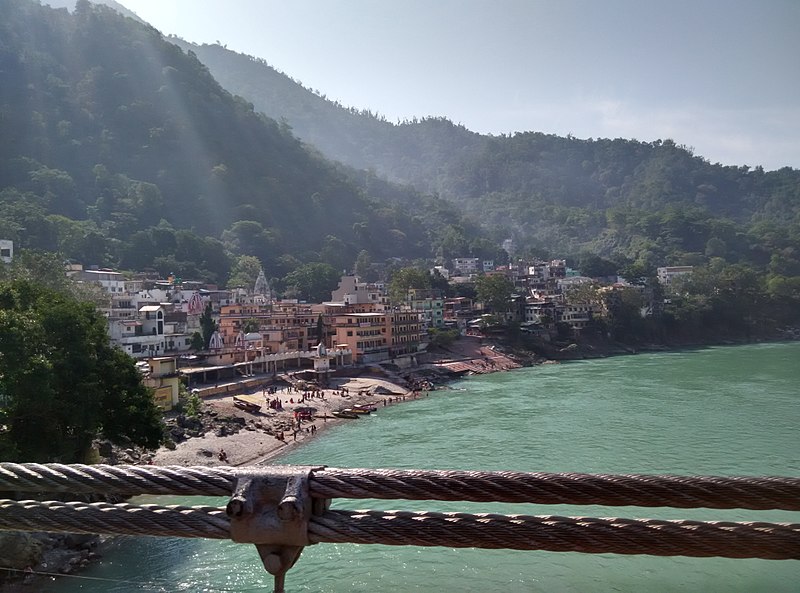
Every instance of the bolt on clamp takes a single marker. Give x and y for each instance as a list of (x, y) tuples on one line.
[(271, 508)]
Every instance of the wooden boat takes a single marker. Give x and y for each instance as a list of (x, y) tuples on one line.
[(349, 414), (367, 407), (247, 405)]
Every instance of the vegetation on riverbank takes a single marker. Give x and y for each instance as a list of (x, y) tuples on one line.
[(62, 382)]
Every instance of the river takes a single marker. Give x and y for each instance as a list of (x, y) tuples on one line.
[(723, 410)]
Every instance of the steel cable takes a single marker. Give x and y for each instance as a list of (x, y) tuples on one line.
[(116, 519), (116, 479), (757, 493), (775, 541), (560, 534)]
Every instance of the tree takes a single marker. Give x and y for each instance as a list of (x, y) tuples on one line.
[(363, 266), (197, 341), (336, 253), (320, 329), (584, 293), (244, 272), (62, 383), (312, 282), (442, 337), (624, 314), (404, 279), (46, 269), (207, 325), (495, 292), (594, 266)]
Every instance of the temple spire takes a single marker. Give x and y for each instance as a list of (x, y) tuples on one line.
[(262, 286)]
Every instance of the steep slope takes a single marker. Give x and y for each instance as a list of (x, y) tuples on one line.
[(409, 152), (114, 136), (655, 202)]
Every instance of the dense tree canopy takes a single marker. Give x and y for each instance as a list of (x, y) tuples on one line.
[(495, 291), (312, 282), (119, 149), (61, 382)]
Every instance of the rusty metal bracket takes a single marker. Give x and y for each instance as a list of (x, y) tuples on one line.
[(271, 508)]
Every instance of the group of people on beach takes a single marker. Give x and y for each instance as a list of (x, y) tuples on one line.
[(281, 436)]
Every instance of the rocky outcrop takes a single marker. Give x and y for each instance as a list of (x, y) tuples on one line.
[(20, 550), (31, 553)]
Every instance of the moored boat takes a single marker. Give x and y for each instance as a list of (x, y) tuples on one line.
[(350, 414), (365, 407)]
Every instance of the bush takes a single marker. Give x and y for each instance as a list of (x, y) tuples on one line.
[(443, 337)]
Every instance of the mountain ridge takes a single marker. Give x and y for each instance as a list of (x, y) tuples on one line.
[(116, 139), (550, 193)]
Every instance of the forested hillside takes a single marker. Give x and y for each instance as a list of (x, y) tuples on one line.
[(120, 149), (409, 152), (653, 203)]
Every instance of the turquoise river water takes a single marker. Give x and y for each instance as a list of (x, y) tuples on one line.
[(725, 411)]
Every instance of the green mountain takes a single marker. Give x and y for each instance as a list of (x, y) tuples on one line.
[(120, 149), (410, 152), (649, 202)]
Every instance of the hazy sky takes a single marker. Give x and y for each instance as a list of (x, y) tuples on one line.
[(721, 76)]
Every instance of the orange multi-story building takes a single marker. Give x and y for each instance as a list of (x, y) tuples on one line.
[(283, 326), (367, 329), (365, 334), (378, 335)]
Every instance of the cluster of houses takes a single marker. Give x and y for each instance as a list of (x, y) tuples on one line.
[(150, 317), (159, 320)]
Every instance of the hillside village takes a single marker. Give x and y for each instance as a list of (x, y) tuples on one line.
[(250, 332)]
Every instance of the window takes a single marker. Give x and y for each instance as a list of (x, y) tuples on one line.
[(350, 333)]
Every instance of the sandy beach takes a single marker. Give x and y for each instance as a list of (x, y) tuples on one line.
[(256, 441)]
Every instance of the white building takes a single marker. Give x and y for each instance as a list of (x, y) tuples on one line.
[(351, 291), (6, 251), (667, 274), (443, 272), (466, 265), (149, 334), (111, 281)]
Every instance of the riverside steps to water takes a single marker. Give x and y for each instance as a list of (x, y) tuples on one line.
[(282, 509), (723, 411)]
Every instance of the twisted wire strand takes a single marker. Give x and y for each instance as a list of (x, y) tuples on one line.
[(775, 541), (560, 534), (116, 479), (757, 493), (116, 519)]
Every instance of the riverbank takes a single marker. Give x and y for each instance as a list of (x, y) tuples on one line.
[(252, 437), (268, 433)]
